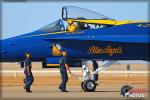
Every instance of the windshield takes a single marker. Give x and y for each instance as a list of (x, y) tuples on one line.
[(54, 27), (72, 12)]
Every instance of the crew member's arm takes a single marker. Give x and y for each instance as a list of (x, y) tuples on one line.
[(27, 67), (28, 71), (67, 67)]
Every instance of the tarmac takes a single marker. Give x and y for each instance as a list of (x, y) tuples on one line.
[(52, 92), (46, 86)]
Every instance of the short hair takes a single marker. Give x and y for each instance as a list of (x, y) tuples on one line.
[(27, 54)]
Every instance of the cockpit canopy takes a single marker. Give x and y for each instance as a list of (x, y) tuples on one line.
[(56, 26), (72, 12), (84, 19)]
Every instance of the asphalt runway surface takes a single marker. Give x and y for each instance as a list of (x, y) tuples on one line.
[(46, 85), (52, 92)]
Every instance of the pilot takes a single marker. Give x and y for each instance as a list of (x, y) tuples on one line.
[(28, 73), (71, 27), (63, 71)]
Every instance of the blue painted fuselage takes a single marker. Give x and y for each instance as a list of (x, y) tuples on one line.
[(122, 42)]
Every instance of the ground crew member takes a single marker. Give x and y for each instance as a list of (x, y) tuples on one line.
[(28, 73), (71, 27), (63, 71)]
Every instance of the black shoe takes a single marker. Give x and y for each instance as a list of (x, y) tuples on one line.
[(28, 90), (60, 87), (64, 91)]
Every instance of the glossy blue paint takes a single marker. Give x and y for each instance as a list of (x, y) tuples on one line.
[(119, 42), (76, 44)]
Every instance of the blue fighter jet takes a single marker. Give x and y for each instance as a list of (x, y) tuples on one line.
[(97, 37)]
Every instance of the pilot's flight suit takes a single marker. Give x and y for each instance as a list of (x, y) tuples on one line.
[(64, 75), (29, 76), (72, 28)]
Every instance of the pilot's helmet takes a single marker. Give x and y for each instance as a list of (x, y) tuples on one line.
[(70, 21)]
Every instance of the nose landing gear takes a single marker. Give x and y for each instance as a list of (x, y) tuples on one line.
[(88, 86)]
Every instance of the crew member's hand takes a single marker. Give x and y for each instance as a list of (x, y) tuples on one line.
[(29, 74), (70, 74)]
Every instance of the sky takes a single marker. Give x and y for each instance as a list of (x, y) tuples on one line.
[(21, 18)]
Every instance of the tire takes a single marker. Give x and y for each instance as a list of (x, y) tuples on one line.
[(89, 86)]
